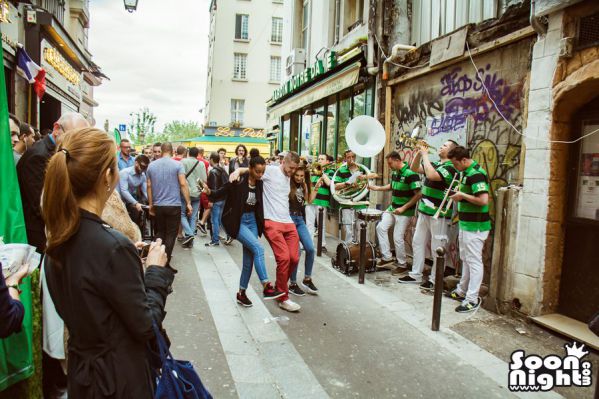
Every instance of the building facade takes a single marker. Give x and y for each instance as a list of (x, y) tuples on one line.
[(54, 34), (244, 64)]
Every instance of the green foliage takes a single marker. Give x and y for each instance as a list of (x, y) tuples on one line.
[(141, 127), (177, 130)]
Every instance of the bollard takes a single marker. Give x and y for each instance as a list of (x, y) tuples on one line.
[(320, 231), (362, 252), (438, 293)]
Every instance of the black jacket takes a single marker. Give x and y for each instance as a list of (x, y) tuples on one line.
[(236, 194), (108, 304), (31, 171), (234, 164), (217, 177)]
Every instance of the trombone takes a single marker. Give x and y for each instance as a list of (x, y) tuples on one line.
[(447, 202)]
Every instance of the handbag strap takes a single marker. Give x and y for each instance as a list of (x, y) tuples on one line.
[(192, 169), (163, 349)]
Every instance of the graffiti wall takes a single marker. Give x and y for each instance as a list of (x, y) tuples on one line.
[(479, 108)]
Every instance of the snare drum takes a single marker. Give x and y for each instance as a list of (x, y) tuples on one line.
[(370, 215), (348, 258)]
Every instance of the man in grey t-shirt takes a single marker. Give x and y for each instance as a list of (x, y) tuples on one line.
[(166, 185), (194, 171)]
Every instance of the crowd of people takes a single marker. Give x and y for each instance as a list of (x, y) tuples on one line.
[(108, 219)]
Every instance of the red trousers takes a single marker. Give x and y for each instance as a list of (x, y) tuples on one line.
[(284, 241)]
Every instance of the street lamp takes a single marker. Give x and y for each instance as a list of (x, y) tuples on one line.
[(130, 5)]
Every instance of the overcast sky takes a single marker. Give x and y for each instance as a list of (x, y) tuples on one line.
[(155, 57)]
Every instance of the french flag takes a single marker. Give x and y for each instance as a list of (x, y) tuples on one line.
[(32, 72)]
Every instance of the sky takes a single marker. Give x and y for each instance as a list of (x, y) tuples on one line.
[(155, 57)]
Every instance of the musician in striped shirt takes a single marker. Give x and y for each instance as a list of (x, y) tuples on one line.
[(323, 197), (475, 224), (405, 186), (429, 231)]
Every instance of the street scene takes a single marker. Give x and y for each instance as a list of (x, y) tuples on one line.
[(299, 199)]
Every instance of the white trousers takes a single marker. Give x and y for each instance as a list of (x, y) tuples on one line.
[(471, 254), (382, 232), (312, 218), (348, 216), (429, 234)]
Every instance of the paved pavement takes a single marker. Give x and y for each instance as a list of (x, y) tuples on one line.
[(372, 340)]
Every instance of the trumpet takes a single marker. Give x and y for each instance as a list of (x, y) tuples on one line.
[(414, 142), (447, 202), (317, 169)]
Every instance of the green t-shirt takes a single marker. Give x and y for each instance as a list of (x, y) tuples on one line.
[(474, 180), (343, 175), (434, 191), (405, 184), (323, 196)]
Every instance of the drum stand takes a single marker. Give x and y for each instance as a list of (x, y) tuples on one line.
[(365, 220)]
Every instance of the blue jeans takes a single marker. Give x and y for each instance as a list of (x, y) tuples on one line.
[(308, 243), (215, 218), (253, 252), (188, 223)]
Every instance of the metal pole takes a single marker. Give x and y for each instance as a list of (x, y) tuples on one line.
[(320, 231), (362, 252), (439, 272)]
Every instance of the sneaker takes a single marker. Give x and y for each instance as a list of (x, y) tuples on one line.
[(289, 306), (455, 296), (296, 290), (427, 286), (409, 280), (243, 300), (309, 287), (212, 244), (385, 264), (202, 229), (187, 240), (399, 270), (187, 246), (467, 306), (228, 240), (271, 293)]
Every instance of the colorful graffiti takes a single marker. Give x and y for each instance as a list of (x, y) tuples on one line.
[(469, 106)]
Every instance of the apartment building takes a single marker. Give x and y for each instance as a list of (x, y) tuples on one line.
[(244, 66)]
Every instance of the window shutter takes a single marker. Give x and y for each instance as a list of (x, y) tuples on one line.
[(237, 26)]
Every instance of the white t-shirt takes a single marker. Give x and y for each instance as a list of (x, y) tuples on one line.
[(276, 195)]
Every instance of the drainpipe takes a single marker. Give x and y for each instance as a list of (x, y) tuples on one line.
[(372, 25), (534, 20), (394, 55)]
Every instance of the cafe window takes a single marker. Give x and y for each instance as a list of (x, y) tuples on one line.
[(286, 133), (305, 133), (345, 115), (242, 26), (587, 195), (331, 126)]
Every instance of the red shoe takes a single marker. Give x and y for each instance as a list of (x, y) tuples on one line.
[(243, 300), (271, 293)]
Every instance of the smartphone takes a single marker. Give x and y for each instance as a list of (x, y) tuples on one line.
[(143, 252)]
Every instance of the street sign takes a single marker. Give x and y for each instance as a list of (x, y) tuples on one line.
[(122, 128)]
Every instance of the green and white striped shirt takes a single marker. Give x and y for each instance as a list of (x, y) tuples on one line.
[(405, 184), (474, 180)]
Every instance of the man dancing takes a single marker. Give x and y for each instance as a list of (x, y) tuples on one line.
[(279, 228)]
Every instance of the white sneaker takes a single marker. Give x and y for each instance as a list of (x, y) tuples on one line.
[(289, 306)]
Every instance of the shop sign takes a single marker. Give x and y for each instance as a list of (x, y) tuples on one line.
[(60, 72), (225, 131), (308, 75), (9, 25)]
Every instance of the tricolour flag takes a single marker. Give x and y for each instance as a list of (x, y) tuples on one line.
[(16, 356), (34, 73)]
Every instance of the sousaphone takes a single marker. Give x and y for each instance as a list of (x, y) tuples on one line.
[(365, 136)]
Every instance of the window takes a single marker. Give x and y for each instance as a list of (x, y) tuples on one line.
[(276, 35), (240, 66), (275, 69), (353, 13), (237, 107), (242, 22), (306, 25)]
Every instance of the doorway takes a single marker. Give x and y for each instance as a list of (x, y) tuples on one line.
[(50, 111), (579, 295)]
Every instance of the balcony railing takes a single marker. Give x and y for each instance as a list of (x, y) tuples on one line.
[(56, 8)]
